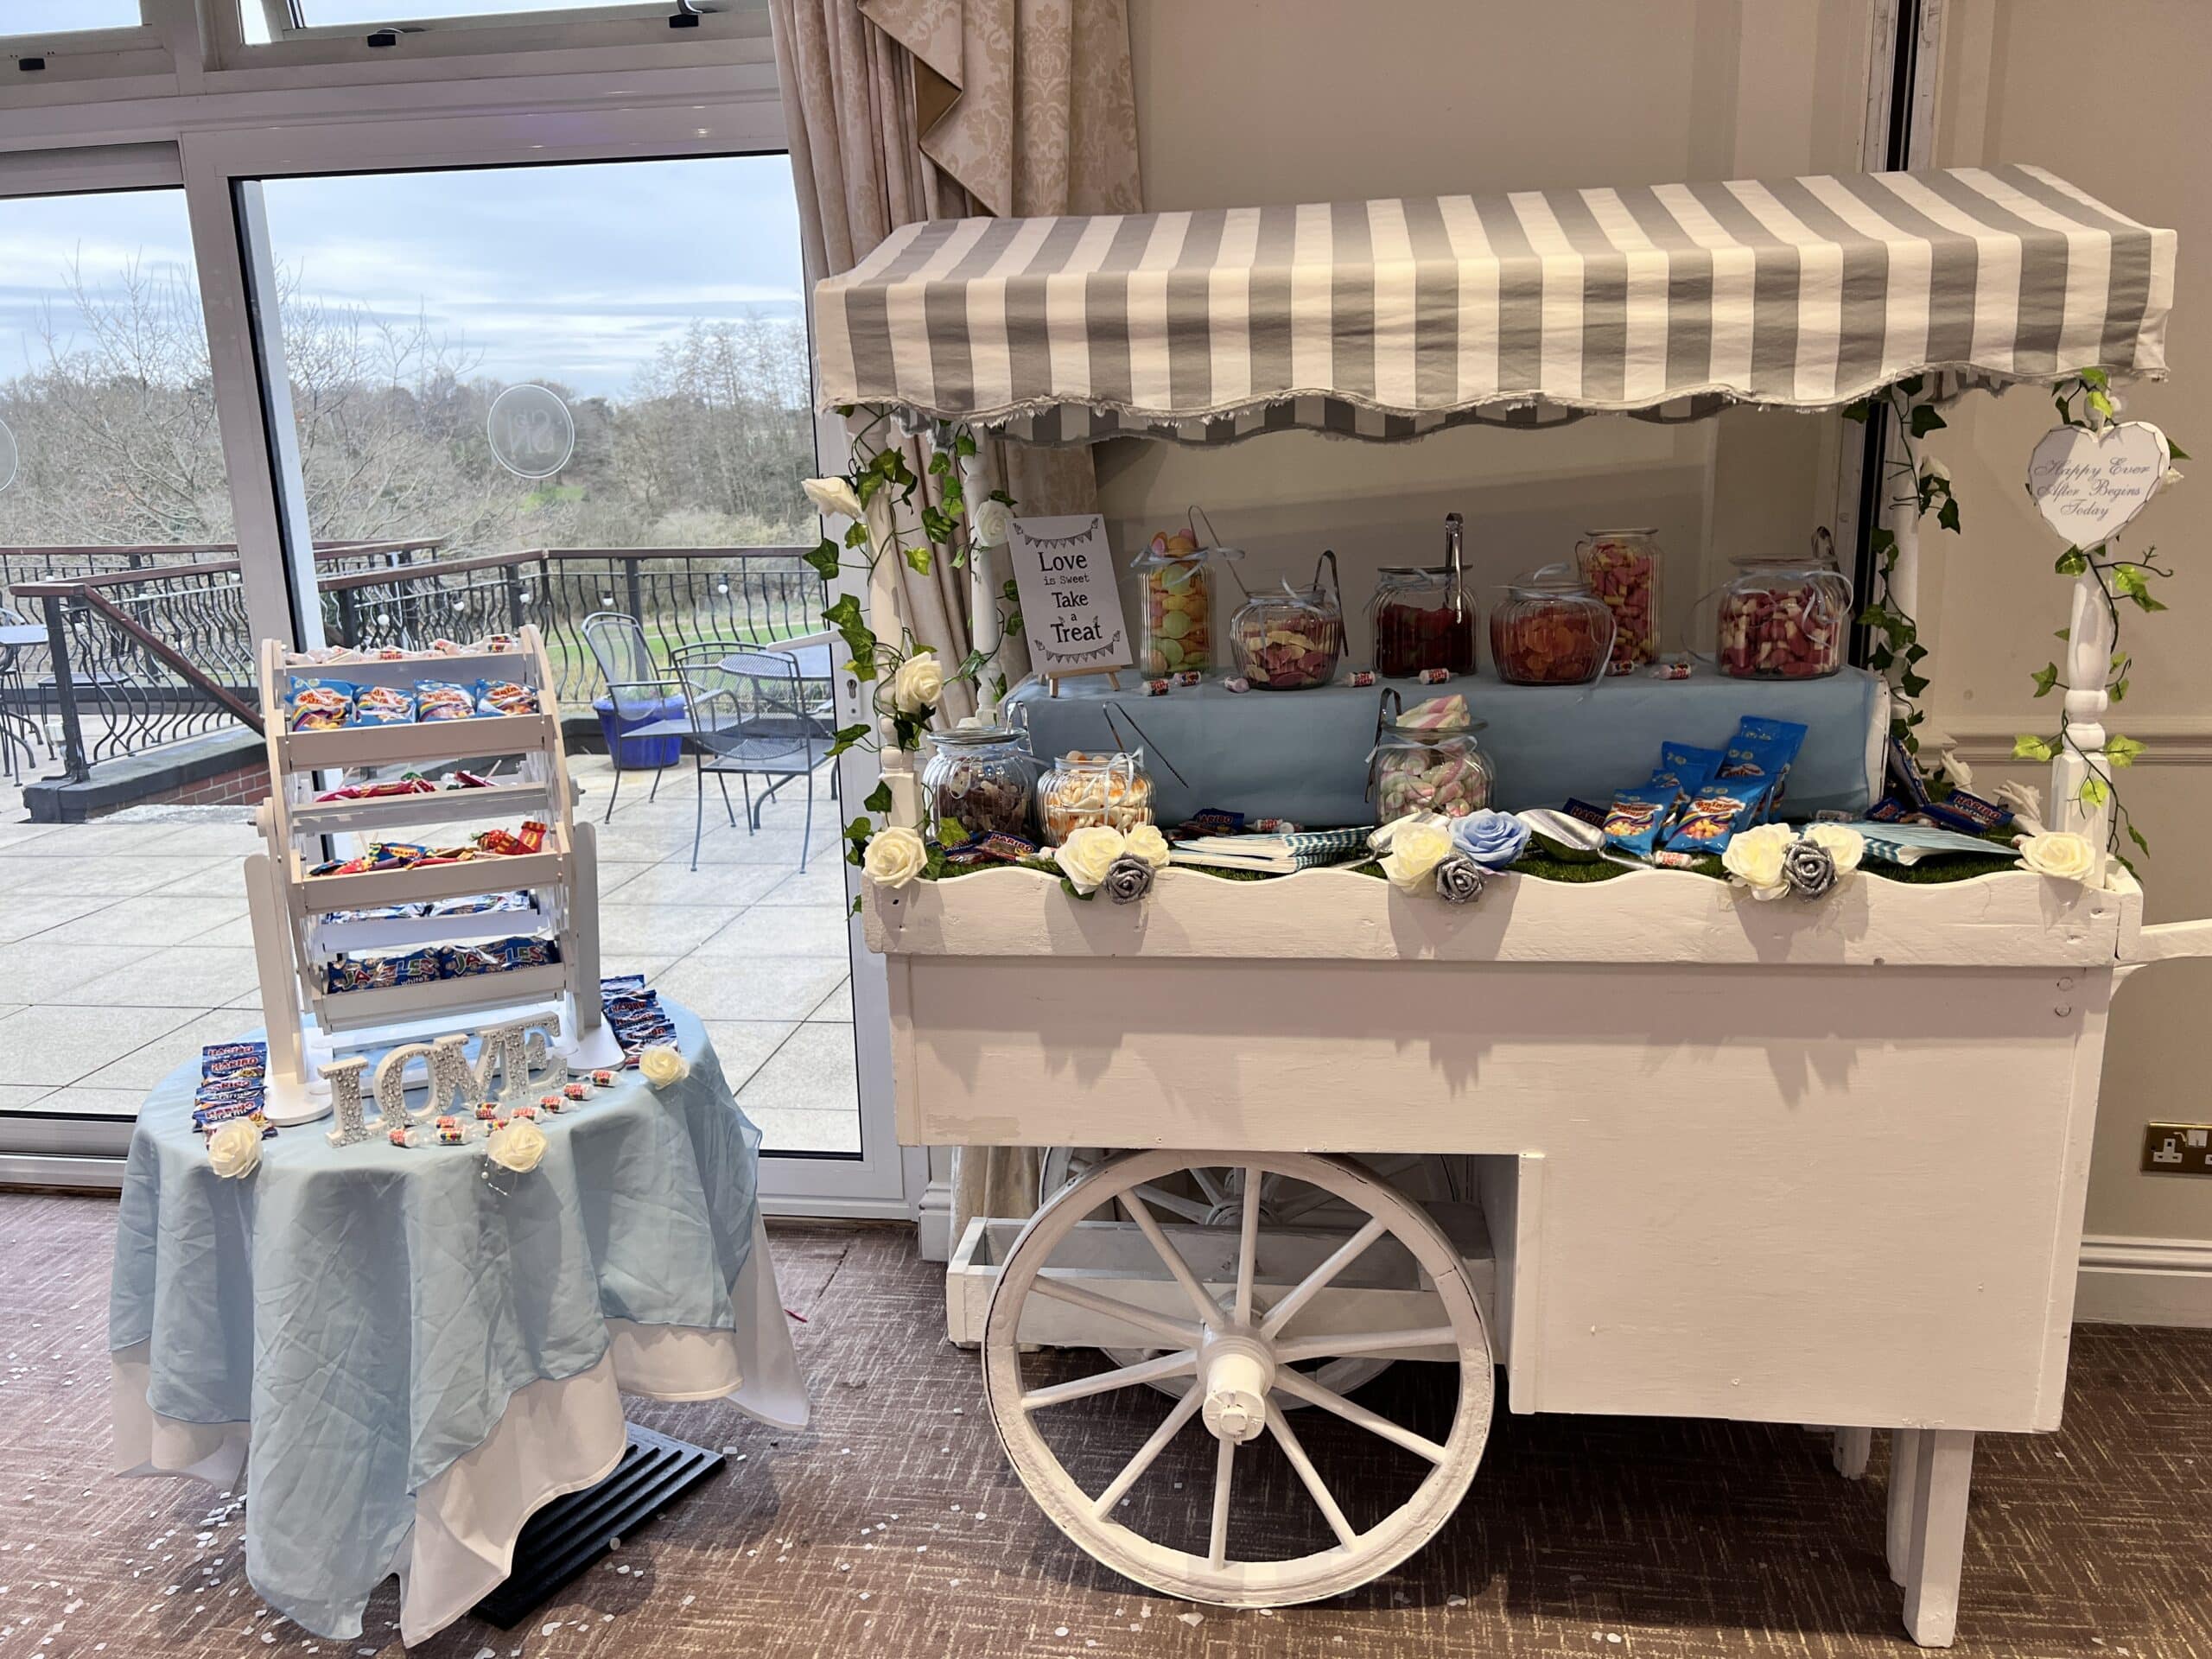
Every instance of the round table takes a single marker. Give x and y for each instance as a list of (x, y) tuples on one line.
[(404, 1358)]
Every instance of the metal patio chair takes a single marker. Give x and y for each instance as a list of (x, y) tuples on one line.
[(646, 697), (749, 714)]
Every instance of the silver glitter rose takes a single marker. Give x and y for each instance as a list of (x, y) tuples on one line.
[(1128, 878), (1809, 868), (1459, 878)]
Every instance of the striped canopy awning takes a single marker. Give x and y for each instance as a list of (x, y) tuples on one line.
[(1392, 319)]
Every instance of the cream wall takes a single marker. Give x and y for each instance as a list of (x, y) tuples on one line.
[(2014, 88), (1253, 102)]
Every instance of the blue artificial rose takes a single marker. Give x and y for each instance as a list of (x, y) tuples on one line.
[(1491, 838)]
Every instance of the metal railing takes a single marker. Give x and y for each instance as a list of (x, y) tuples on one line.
[(152, 653)]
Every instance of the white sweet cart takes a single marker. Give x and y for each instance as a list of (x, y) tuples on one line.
[(1810, 1163)]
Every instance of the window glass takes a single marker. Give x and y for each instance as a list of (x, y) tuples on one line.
[(318, 14), (66, 17)]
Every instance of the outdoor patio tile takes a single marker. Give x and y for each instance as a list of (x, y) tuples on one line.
[(814, 1071), (15, 1096), (744, 1046), (786, 931), (160, 919), (672, 883), (104, 840), (836, 1008), (224, 878), (45, 969), (758, 987), (664, 930), (783, 1129), (55, 1045), (116, 878), (15, 835), (82, 1102), (143, 1067), (211, 974), (723, 845), (822, 884), (22, 917)]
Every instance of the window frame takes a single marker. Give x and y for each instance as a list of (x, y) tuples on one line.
[(637, 30)]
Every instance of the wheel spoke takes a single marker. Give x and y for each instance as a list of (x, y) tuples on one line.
[(1175, 1204), (1288, 1210), (1148, 1370), (1248, 1247), (1302, 1387), (1353, 1342), (1182, 1333), (1318, 1280), (1218, 1539), (1133, 1471), (1202, 1301), (1217, 1194), (1322, 1499)]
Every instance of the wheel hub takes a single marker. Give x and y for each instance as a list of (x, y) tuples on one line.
[(1235, 1369)]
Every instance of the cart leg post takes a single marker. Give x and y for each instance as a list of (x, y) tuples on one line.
[(1905, 1465), (1852, 1447), (1944, 1470)]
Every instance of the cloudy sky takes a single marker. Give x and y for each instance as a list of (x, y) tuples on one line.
[(567, 273)]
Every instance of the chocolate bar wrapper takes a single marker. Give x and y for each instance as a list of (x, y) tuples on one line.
[(1968, 814), (1904, 778), (1592, 816), (234, 1060), (206, 1118)]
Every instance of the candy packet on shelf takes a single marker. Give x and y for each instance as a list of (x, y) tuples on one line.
[(1763, 749), (443, 700), (1715, 813), (319, 705), (246, 1061), (383, 705), (505, 697), (1686, 767), (1636, 816)]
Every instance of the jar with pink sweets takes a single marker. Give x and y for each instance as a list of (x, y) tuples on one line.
[(1426, 759), (1622, 567), (1782, 618)]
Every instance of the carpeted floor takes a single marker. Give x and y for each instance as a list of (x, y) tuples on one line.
[(895, 1527)]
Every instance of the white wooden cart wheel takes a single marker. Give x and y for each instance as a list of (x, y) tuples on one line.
[(1243, 1355), (1217, 1192)]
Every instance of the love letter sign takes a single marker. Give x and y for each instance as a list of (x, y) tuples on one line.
[(2088, 484)]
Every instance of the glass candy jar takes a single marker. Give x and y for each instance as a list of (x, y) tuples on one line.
[(1082, 790), (1782, 618), (1622, 567), (980, 780), (1550, 630), (1426, 759), (1424, 617), (1176, 578), (1290, 641)]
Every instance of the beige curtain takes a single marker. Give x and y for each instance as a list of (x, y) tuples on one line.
[(902, 110)]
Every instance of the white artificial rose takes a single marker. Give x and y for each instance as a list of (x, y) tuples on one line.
[(1417, 846), (2171, 476), (1148, 844), (518, 1147), (1754, 857), (235, 1148), (2060, 852), (1087, 853), (2026, 802), (894, 856), (1931, 468), (990, 523), (833, 496), (917, 684), (1843, 844), (662, 1065)]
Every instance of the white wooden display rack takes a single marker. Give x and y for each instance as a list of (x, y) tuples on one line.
[(1793, 1162), (296, 934)]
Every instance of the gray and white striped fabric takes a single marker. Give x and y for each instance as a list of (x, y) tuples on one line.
[(1392, 319)]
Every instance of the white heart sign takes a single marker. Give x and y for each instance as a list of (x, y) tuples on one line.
[(2088, 484)]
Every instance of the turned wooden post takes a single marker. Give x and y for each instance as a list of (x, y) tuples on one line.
[(2088, 661)]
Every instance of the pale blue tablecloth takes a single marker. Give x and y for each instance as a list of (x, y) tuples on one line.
[(1302, 755), (369, 1311)]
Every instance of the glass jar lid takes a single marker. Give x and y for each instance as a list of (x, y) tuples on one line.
[(1633, 529), (1561, 581), (982, 734)]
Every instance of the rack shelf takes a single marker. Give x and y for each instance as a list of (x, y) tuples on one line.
[(296, 941)]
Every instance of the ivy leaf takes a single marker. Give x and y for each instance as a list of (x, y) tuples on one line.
[(2178, 453), (846, 737), (824, 560), (2027, 747), (1947, 514), (2072, 562), (2045, 678), (1911, 385), (2144, 602), (1879, 659), (940, 464), (1926, 420), (1880, 540), (2102, 403), (870, 483), (936, 524), (2121, 750), (2094, 791), (1858, 411), (1912, 684), (845, 617), (2141, 845), (879, 799), (919, 557), (963, 443), (1002, 498), (952, 832), (2062, 633), (856, 903), (856, 534), (2118, 689), (2097, 378)]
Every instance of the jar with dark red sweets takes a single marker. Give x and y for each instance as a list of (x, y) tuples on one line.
[(1550, 630), (1424, 616)]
